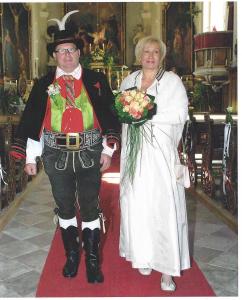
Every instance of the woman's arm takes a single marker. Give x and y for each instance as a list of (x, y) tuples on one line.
[(176, 111)]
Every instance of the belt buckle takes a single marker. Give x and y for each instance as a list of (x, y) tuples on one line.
[(76, 146)]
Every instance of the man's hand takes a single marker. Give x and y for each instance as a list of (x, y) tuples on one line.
[(30, 169), (105, 161)]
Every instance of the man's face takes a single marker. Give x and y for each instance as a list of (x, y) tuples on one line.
[(69, 59)]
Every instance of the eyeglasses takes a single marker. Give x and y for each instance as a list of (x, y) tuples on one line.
[(66, 50)]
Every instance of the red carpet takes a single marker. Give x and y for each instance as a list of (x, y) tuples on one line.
[(120, 279)]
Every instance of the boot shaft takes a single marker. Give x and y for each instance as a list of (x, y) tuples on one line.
[(91, 240), (70, 237)]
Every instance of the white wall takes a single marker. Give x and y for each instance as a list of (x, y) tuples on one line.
[(40, 14)]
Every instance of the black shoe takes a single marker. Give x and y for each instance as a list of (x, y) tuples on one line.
[(72, 263), (70, 239), (91, 239)]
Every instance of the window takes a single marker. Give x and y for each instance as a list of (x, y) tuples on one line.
[(215, 15)]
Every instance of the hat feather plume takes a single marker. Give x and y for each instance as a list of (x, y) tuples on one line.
[(61, 23)]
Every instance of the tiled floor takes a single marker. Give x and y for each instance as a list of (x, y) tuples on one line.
[(25, 241)]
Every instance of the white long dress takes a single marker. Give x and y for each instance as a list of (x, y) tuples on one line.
[(154, 230)]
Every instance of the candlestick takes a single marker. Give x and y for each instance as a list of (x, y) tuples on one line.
[(118, 84), (36, 67), (110, 77)]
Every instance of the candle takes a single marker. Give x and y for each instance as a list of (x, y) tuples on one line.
[(117, 75), (36, 67), (118, 83), (103, 46), (90, 47)]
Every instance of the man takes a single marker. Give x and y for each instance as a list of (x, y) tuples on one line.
[(69, 112)]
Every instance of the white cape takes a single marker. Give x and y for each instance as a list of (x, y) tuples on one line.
[(154, 230)]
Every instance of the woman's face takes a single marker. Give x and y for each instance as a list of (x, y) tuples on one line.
[(151, 56)]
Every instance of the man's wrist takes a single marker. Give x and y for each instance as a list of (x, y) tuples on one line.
[(108, 150)]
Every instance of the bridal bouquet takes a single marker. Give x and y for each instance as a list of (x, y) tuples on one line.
[(134, 107)]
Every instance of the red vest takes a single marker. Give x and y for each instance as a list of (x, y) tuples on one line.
[(72, 120)]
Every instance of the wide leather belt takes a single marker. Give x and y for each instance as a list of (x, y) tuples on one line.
[(72, 141)]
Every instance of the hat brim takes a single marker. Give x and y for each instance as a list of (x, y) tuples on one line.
[(52, 46)]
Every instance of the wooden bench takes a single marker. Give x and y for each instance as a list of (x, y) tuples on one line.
[(204, 144)]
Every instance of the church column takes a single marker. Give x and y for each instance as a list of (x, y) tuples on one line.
[(35, 39), (234, 57), (43, 55), (146, 17), (156, 13)]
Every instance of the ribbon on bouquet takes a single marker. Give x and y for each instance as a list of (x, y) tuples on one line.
[(227, 131)]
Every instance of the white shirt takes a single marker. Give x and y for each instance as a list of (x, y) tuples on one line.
[(35, 148), (76, 73)]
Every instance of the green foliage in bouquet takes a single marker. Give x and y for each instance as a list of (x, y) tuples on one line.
[(134, 108)]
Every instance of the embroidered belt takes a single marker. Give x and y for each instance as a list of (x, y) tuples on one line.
[(72, 141)]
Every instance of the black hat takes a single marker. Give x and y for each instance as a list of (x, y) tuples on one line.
[(63, 35)]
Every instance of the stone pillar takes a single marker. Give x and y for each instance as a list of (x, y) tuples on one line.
[(43, 55), (156, 28), (35, 39), (146, 17)]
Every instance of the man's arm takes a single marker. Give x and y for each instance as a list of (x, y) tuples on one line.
[(33, 150)]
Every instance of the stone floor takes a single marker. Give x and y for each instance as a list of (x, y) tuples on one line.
[(25, 241)]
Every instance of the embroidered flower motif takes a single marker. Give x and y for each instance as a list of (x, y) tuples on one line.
[(53, 89), (98, 86)]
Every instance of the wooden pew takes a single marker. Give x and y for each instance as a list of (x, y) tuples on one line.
[(205, 149), (8, 190), (230, 173)]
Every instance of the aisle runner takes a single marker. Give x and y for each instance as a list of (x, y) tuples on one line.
[(120, 279)]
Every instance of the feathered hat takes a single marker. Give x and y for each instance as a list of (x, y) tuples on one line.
[(63, 35)]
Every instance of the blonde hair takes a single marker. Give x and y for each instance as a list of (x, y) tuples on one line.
[(149, 40)]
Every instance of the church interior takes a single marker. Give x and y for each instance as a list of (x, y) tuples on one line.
[(201, 40)]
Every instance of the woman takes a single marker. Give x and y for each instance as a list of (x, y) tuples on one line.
[(154, 231)]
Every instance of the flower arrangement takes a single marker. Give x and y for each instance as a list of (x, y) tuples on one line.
[(54, 93), (228, 118), (10, 101), (134, 107), (53, 89), (97, 54)]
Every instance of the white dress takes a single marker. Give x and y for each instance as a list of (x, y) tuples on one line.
[(154, 230)]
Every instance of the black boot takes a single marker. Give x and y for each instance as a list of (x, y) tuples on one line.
[(91, 239), (70, 239)]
